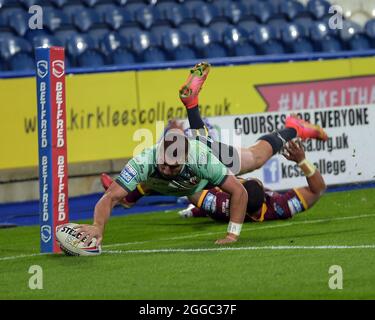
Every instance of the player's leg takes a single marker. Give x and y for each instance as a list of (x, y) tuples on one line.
[(189, 94), (241, 160), (257, 155)]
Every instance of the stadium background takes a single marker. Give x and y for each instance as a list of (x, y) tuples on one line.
[(127, 59)]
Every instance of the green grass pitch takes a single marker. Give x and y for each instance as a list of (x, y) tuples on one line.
[(162, 256)]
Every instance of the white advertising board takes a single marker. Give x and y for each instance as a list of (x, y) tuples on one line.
[(347, 157)]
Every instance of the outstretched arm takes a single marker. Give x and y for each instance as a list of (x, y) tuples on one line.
[(238, 203), (311, 194), (102, 212)]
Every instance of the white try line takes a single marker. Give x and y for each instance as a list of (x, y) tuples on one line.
[(171, 250), (255, 228), (23, 256)]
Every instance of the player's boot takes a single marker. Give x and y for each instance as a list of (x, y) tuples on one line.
[(190, 90), (187, 212), (305, 129)]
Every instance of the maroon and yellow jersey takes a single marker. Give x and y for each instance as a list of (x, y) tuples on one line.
[(279, 206), (216, 203)]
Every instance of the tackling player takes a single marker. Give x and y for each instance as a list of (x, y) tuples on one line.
[(264, 204)]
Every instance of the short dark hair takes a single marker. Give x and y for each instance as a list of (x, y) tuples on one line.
[(175, 145), (255, 191)]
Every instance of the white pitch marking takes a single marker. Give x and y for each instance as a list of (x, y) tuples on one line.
[(255, 228), (205, 234), (171, 250), (22, 256)]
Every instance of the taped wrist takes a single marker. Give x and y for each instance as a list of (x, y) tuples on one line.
[(307, 168), (234, 228)]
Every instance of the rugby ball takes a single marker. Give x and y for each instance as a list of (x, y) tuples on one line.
[(67, 238)]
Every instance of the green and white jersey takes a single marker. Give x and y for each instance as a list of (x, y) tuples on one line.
[(201, 168)]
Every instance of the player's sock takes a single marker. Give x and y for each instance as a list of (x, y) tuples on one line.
[(196, 123), (194, 117), (278, 138)]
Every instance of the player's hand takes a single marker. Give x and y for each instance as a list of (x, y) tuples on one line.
[(294, 151), (230, 238), (90, 231)]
